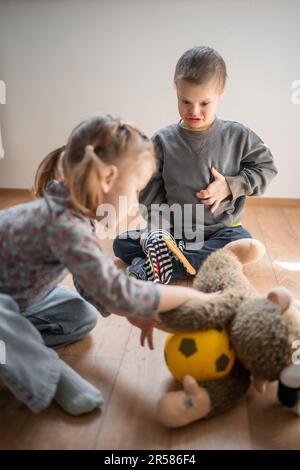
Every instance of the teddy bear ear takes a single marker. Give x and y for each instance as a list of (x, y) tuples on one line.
[(281, 297)]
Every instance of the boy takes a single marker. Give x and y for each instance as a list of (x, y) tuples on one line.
[(202, 160)]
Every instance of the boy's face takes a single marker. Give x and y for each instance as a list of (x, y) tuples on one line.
[(197, 103)]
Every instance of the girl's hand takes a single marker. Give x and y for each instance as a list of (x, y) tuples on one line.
[(146, 325), (215, 192)]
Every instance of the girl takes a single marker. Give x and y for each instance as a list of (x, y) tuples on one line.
[(41, 241)]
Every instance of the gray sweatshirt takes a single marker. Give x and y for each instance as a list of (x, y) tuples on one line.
[(184, 159)]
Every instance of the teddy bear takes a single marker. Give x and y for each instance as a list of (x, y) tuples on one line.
[(262, 331)]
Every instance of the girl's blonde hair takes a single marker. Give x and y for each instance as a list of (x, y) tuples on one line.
[(94, 143)]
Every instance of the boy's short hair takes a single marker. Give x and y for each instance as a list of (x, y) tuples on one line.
[(199, 65)]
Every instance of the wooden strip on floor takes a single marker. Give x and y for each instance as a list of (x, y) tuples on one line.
[(283, 246), (263, 267), (226, 432), (108, 339), (272, 426), (130, 421), (54, 429)]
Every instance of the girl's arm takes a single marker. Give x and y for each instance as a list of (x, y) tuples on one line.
[(171, 297), (100, 282)]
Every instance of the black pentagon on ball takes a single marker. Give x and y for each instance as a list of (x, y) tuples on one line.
[(222, 362), (188, 347)]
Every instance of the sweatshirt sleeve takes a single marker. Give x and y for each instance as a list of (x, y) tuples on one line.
[(97, 278), (154, 193), (257, 169)]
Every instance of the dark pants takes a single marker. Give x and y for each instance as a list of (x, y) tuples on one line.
[(128, 248)]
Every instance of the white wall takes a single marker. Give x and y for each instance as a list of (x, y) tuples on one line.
[(63, 60)]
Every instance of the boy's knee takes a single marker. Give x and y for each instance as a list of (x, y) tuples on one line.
[(119, 246), (127, 246), (116, 243), (242, 233)]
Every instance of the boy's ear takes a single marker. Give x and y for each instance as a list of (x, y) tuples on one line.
[(108, 178), (281, 297)]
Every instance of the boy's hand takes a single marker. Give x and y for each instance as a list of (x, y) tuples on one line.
[(146, 325), (215, 191)]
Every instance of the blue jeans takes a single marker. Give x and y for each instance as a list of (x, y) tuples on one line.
[(31, 369), (62, 317), (127, 248)]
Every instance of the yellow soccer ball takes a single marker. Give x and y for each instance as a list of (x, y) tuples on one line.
[(205, 355)]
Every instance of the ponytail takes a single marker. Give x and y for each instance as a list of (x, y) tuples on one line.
[(96, 143), (50, 168), (83, 182)]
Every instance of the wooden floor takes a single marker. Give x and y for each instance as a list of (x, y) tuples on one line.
[(132, 379)]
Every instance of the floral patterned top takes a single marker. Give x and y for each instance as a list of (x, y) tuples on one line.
[(40, 241)]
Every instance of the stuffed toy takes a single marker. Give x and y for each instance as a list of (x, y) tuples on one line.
[(261, 331)]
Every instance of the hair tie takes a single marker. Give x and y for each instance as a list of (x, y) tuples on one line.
[(89, 151)]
